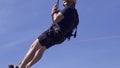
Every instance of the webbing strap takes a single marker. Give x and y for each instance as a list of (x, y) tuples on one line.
[(75, 34)]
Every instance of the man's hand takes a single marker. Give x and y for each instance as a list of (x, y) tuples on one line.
[(55, 9)]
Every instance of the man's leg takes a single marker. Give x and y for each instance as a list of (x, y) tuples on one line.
[(36, 57), (32, 55)]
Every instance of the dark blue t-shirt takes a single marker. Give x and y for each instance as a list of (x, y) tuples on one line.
[(67, 24)]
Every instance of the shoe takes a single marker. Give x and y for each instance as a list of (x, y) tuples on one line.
[(16, 67), (12, 66)]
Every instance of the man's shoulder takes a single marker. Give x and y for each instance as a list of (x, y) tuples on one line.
[(67, 9)]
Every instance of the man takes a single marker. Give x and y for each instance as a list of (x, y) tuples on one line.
[(64, 23)]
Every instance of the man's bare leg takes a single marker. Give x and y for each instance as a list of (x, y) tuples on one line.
[(36, 57), (36, 46)]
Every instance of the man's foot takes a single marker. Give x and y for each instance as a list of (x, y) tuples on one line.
[(12, 66), (16, 67)]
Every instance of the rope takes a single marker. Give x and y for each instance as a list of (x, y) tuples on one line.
[(58, 3)]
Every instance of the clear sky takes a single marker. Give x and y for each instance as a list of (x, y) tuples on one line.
[(98, 39)]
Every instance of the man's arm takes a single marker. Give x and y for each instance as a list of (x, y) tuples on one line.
[(57, 16)]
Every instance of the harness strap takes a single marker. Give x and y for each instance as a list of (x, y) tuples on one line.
[(75, 34)]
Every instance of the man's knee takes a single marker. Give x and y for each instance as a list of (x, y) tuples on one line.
[(36, 45), (42, 47)]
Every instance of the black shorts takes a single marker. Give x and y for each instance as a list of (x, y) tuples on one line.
[(50, 38)]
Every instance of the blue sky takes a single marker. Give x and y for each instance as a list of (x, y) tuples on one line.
[(97, 44)]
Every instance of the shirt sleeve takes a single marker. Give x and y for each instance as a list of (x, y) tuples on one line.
[(65, 11)]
